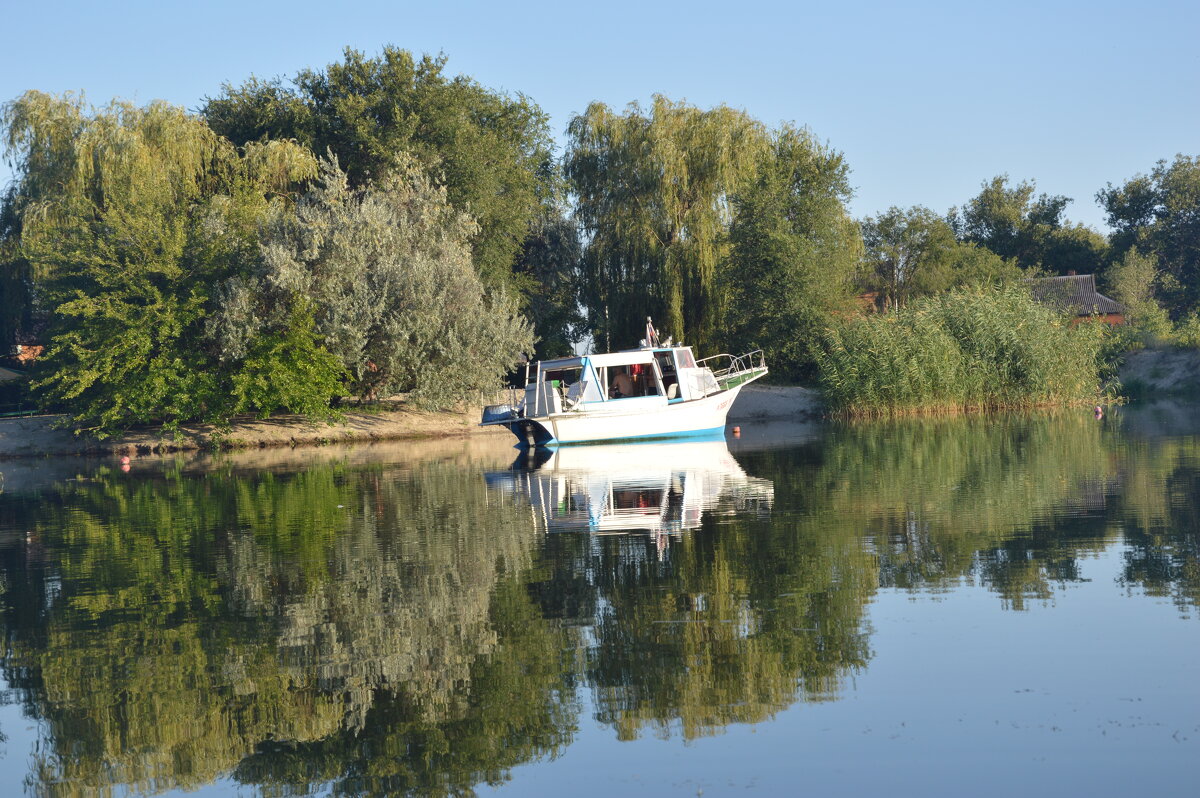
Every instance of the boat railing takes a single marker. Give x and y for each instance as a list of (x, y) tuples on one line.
[(728, 368)]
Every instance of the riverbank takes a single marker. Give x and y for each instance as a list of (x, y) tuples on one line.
[(37, 437), (1161, 372)]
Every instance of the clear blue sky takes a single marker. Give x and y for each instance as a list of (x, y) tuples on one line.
[(926, 99)]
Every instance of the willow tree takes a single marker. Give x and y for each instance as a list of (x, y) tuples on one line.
[(127, 218), (654, 196), (795, 251)]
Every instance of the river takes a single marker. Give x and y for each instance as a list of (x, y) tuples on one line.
[(981, 605)]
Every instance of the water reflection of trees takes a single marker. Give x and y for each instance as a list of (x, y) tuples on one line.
[(378, 630), (1010, 502), (1159, 516), (733, 624), (166, 628), (510, 708)]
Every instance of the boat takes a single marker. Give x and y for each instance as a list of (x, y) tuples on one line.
[(659, 390)]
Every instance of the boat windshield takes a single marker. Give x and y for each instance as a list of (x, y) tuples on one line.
[(635, 379)]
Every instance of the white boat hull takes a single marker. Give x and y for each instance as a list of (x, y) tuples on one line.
[(616, 421)]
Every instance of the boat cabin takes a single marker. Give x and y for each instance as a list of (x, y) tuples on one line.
[(617, 381)]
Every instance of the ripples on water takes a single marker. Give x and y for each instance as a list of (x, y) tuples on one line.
[(999, 604)]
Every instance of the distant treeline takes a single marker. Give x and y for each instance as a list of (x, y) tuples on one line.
[(378, 226)]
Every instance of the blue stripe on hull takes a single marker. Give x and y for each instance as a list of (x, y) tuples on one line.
[(711, 432)]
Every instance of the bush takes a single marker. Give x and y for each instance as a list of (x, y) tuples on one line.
[(1187, 332), (962, 350), (384, 277)]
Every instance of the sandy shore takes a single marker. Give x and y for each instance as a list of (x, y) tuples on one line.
[(38, 437)]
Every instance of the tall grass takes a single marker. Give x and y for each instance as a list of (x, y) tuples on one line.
[(970, 349)]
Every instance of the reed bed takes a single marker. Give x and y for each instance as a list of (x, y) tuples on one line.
[(971, 349)]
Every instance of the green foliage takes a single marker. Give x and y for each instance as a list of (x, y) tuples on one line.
[(186, 281), (794, 252), (491, 151), (287, 370), (1014, 224), (1133, 282), (550, 260), (127, 218), (964, 349), (1187, 331), (1159, 214), (913, 252), (384, 273), (17, 296), (1137, 281), (654, 197)]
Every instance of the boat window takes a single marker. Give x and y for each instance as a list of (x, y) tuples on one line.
[(570, 375), (565, 377), (566, 381), (685, 359), (637, 379)]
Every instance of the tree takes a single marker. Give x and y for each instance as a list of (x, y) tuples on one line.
[(127, 218), (1159, 214), (913, 252), (1014, 224), (385, 270), (905, 253), (1134, 282), (654, 197), (492, 152), (550, 259), (16, 285), (795, 251)]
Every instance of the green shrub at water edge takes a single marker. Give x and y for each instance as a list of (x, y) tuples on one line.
[(961, 350)]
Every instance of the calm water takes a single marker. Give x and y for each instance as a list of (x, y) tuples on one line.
[(982, 606)]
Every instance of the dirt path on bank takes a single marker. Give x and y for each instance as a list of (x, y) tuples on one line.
[(37, 437)]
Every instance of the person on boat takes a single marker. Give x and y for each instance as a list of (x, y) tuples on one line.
[(622, 386)]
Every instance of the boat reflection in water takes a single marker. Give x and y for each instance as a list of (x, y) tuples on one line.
[(660, 489)]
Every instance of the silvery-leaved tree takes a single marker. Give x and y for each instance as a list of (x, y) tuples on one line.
[(386, 271)]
